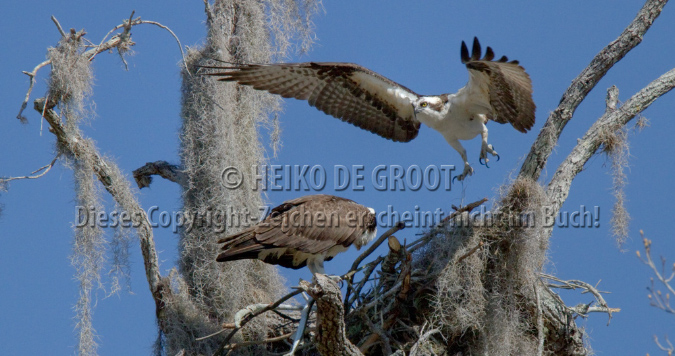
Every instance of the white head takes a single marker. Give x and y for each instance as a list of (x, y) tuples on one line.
[(432, 107)]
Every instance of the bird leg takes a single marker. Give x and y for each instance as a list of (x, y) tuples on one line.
[(462, 152), (485, 149)]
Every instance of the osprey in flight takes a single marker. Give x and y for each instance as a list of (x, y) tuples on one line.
[(498, 90), (303, 232)]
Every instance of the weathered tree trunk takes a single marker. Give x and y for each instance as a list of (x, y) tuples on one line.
[(331, 338)]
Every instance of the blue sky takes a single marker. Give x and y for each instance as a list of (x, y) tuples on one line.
[(416, 44)]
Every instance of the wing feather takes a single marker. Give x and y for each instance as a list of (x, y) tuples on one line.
[(500, 85), (346, 91), (287, 229)]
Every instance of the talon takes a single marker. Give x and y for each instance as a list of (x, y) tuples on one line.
[(486, 163), (480, 160), (497, 157)]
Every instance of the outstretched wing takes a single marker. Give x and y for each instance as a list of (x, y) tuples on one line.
[(502, 86), (344, 90)]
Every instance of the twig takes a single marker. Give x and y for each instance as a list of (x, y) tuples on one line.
[(350, 275), (668, 349), (377, 333), (180, 46), (657, 298), (30, 87), (356, 291), (376, 244), (250, 317), (583, 309), (246, 312), (235, 345), (415, 350), (467, 208), (387, 294), (45, 169), (58, 26), (429, 235), (471, 252)]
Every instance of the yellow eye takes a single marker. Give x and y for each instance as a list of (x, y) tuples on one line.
[(424, 104)]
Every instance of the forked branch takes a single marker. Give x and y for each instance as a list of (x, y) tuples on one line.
[(583, 84), (657, 298), (612, 120)]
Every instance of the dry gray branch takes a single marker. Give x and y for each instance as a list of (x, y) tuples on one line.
[(172, 172), (657, 298), (584, 83), (613, 120), (122, 42), (583, 309), (43, 169), (250, 316), (669, 349), (109, 176), (418, 347)]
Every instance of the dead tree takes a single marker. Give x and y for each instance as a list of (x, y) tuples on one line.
[(472, 287), (465, 287), (487, 294), (220, 128)]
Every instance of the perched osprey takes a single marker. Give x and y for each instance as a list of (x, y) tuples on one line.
[(303, 232), (497, 90)]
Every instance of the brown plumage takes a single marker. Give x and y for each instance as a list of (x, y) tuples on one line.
[(303, 232), (497, 90), (511, 88), (338, 89)]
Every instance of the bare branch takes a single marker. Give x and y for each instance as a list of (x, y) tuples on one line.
[(583, 309), (584, 83), (259, 342), (350, 275), (387, 294), (656, 297), (172, 172), (137, 21), (44, 170), (58, 26), (612, 120), (471, 252), (118, 190), (415, 350), (373, 246), (669, 349), (378, 333), (180, 46), (251, 316), (429, 235), (120, 41), (30, 88)]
